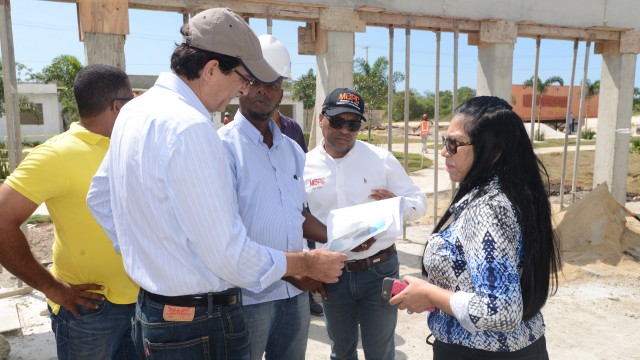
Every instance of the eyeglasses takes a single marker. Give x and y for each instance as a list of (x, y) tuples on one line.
[(248, 81), (337, 123), (124, 100), (452, 145)]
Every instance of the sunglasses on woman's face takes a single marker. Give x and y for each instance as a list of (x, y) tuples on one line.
[(337, 123), (452, 145)]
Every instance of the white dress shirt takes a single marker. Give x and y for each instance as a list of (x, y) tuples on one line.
[(336, 183), (270, 192), (165, 196)]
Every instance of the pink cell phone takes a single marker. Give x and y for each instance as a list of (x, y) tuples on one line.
[(391, 287)]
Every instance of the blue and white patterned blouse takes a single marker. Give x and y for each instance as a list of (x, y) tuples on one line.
[(479, 257)]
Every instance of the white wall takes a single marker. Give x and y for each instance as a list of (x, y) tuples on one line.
[(45, 94)]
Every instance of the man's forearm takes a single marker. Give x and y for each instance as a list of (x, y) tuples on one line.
[(313, 229), (16, 256)]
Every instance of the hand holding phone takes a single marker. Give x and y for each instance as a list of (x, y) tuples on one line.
[(392, 287)]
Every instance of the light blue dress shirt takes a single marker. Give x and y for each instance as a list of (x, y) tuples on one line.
[(165, 197), (270, 193)]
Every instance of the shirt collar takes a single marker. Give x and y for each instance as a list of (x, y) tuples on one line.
[(493, 185), (77, 130), (252, 132), (174, 83)]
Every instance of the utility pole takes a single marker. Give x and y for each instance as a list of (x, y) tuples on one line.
[(12, 111), (366, 53)]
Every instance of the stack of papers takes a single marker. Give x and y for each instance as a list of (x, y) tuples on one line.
[(351, 226)]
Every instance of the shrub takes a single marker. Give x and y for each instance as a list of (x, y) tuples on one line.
[(635, 145), (587, 134), (539, 135)]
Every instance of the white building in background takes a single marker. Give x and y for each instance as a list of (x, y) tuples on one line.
[(288, 107), (48, 123)]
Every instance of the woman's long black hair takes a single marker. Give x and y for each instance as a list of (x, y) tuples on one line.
[(501, 147)]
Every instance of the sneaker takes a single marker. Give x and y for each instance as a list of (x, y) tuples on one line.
[(316, 308)]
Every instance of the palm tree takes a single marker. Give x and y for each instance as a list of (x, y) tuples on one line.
[(542, 88), (591, 89)]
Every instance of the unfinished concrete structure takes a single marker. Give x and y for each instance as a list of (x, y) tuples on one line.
[(493, 25)]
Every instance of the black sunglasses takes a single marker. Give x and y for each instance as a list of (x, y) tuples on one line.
[(337, 123), (452, 145)]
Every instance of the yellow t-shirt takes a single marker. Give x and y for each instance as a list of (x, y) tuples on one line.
[(59, 174)]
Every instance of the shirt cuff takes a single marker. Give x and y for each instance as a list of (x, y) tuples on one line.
[(460, 306)]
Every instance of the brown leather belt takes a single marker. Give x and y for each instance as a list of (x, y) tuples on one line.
[(364, 264), (224, 298)]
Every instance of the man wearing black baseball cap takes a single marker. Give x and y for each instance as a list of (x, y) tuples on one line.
[(341, 172), (186, 245)]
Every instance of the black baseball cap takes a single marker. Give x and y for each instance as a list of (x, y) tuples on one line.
[(344, 100)]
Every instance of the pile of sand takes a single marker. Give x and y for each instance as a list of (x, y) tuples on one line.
[(594, 236)]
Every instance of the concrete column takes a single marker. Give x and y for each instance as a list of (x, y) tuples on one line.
[(335, 69), (614, 119), (332, 41), (105, 49), (495, 58)]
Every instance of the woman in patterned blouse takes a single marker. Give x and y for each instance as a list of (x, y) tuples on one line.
[(493, 259)]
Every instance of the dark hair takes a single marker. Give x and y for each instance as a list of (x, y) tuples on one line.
[(502, 148), (188, 61), (96, 86)]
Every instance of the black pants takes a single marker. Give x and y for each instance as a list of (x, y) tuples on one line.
[(443, 351)]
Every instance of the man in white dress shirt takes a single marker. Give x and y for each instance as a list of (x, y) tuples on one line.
[(165, 197), (343, 172)]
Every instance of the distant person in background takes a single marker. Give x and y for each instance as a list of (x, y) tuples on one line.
[(343, 171), (493, 256), (425, 131), (91, 299), (226, 119)]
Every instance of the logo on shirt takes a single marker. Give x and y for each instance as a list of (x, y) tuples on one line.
[(314, 183)]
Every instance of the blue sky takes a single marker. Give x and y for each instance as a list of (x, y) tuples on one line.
[(43, 30)]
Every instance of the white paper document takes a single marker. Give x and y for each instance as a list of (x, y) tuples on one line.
[(351, 226)]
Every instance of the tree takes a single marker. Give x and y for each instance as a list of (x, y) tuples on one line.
[(304, 89), (591, 89), (371, 81), (24, 104), (63, 70), (416, 105), (542, 89)]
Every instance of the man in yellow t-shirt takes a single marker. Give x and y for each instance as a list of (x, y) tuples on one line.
[(90, 296)]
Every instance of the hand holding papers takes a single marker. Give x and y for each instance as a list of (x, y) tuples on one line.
[(351, 226)]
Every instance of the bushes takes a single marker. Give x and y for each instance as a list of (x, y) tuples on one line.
[(635, 145), (587, 134), (4, 161)]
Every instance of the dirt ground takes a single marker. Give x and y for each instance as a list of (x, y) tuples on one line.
[(595, 313)]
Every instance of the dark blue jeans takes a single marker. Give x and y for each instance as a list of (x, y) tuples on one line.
[(355, 301), (102, 333), (279, 329), (216, 332)]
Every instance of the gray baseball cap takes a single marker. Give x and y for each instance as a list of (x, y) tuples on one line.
[(224, 32)]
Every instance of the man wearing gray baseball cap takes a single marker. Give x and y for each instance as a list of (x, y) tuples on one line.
[(164, 195)]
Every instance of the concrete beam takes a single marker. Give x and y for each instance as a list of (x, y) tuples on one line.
[(341, 20), (498, 32)]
